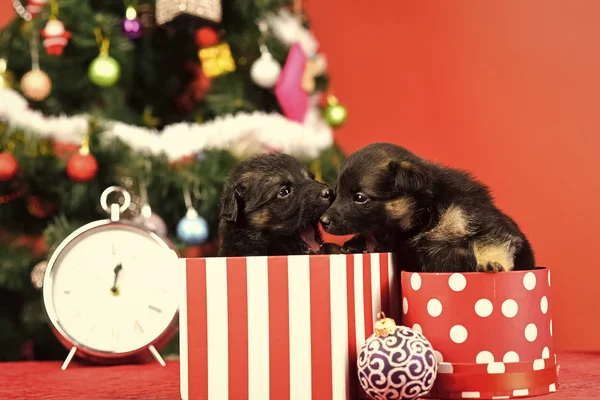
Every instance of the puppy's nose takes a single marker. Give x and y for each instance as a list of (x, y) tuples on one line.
[(328, 194), (325, 221)]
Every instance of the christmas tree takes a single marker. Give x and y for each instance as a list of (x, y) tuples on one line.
[(159, 97)]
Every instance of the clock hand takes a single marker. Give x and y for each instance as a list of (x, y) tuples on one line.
[(117, 269)]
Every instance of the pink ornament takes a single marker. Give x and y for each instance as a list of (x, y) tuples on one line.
[(132, 26), (35, 7), (293, 99), (55, 37)]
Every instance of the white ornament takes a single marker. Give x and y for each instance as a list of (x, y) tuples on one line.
[(265, 71), (285, 26), (288, 28)]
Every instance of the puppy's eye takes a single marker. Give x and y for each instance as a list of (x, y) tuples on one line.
[(360, 198), (284, 192)]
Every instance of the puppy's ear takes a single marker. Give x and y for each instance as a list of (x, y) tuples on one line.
[(231, 206), (410, 177)]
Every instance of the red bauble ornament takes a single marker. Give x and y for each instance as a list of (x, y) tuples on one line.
[(82, 167), (40, 207), (203, 81), (206, 37), (64, 150), (8, 167), (200, 85)]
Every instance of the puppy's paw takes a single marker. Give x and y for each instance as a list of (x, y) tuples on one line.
[(358, 244), (490, 266), (330, 248)]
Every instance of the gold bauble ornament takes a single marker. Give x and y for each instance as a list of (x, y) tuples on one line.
[(7, 78), (36, 85)]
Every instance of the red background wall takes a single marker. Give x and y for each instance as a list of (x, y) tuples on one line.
[(509, 90)]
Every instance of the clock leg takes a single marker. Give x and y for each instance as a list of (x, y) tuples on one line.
[(156, 355), (69, 358)]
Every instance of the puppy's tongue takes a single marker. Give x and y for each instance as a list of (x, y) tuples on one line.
[(308, 236), (371, 242)]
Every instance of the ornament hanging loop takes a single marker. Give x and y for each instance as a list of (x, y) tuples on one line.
[(332, 100), (115, 210), (85, 141), (85, 144), (143, 191), (263, 27), (384, 326), (146, 210), (146, 171), (187, 197), (35, 56), (104, 47), (262, 46), (103, 42), (53, 9)]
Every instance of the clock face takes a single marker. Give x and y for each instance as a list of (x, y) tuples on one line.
[(113, 288)]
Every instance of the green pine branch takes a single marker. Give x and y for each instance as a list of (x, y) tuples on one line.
[(154, 74), (153, 67)]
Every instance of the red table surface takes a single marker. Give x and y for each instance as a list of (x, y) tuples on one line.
[(579, 379)]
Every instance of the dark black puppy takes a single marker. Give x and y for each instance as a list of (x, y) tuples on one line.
[(271, 205), (433, 217)]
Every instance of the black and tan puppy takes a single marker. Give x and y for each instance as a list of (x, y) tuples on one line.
[(436, 219), (271, 205)]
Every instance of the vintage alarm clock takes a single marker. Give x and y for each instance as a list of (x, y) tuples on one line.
[(110, 289)]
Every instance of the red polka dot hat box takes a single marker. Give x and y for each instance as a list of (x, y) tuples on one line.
[(492, 333), (276, 328)]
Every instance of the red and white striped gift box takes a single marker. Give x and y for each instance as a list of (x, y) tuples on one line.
[(278, 328)]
